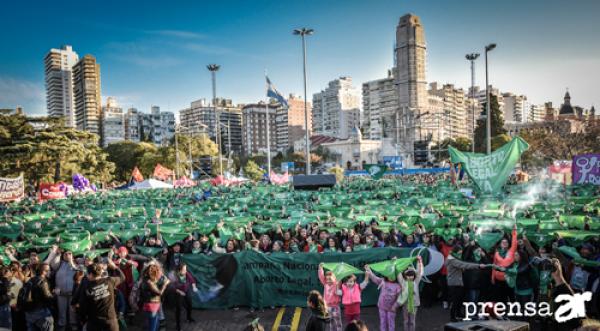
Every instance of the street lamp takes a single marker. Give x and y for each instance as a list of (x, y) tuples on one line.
[(472, 57), (302, 33), (487, 99), (213, 68)]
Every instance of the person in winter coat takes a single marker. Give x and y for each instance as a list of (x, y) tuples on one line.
[(351, 297), (64, 269), (409, 299), (504, 258), (319, 318), (456, 291), (389, 289), (332, 299)]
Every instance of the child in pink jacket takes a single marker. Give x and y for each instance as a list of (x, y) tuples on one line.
[(331, 298), (351, 297)]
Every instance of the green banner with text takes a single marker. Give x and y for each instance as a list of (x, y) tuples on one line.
[(260, 280), (490, 172)]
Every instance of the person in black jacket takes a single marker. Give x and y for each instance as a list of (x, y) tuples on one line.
[(5, 312), (475, 279), (38, 315), (319, 318)]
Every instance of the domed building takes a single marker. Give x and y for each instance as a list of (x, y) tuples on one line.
[(566, 109)]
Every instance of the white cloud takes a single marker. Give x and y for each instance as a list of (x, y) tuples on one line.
[(30, 95), (182, 34)]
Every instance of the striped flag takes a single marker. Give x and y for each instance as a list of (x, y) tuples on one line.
[(273, 93)]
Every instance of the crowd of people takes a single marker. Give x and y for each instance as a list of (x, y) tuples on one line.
[(73, 290)]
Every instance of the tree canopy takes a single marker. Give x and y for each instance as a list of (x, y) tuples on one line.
[(497, 126), (44, 150)]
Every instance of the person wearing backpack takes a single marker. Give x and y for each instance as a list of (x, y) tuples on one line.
[(36, 298)]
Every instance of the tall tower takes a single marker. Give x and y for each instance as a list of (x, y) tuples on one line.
[(410, 79), (86, 88), (58, 64)]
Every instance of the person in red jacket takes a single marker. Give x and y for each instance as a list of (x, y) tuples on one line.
[(504, 257)]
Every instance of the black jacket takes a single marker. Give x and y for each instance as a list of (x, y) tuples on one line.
[(317, 321), (4, 291), (40, 293)]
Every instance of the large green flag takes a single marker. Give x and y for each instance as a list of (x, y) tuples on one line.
[(376, 170), (489, 172)]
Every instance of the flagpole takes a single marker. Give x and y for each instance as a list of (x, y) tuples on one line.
[(268, 131)]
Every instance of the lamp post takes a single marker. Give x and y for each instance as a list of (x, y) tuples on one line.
[(213, 68), (302, 33), (472, 57), (487, 99)]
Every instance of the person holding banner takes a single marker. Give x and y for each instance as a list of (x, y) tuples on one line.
[(409, 299), (332, 299)]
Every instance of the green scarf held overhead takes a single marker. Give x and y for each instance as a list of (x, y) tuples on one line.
[(411, 297)]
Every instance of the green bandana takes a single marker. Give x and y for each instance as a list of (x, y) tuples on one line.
[(502, 252), (411, 297), (196, 250), (476, 256), (456, 255)]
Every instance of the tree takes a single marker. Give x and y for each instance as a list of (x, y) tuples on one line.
[(253, 171), (500, 140), (338, 172), (441, 151), (547, 145), (165, 155), (323, 153), (126, 155), (50, 152), (497, 125)]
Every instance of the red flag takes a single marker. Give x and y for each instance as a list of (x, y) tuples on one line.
[(162, 173), (137, 175)]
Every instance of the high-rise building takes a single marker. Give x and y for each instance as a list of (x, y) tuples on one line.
[(454, 117), (295, 119), (473, 112), (132, 125), (162, 126), (410, 78), (336, 109), (380, 107), (254, 128), (480, 96), (536, 113), (86, 89), (515, 108), (200, 118), (113, 126), (58, 65)]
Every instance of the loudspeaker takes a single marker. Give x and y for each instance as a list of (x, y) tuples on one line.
[(313, 182), (487, 326)]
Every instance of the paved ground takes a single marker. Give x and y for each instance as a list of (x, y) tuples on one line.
[(290, 318)]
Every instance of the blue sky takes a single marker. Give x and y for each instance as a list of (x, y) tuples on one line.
[(155, 52)]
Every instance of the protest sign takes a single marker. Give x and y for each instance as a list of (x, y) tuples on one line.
[(254, 279), (586, 169), (50, 191), (11, 189)]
